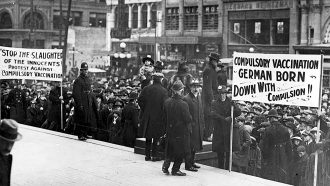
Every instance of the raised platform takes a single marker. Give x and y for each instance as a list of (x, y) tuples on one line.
[(205, 157), (45, 157)]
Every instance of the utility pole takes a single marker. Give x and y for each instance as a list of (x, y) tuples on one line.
[(66, 37), (61, 24)]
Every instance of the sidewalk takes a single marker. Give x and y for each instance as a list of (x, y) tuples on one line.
[(44, 158)]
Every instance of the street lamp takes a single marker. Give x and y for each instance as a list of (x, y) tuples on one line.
[(251, 49), (123, 55)]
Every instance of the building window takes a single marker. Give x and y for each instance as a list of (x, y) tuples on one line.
[(154, 15), (135, 17), (76, 18), (6, 42), (37, 21), (144, 16), (191, 18), (97, 19), (172, 18), (210, 17), (5, 21), (281, 29), (38, 44), (121, 21), (259, 27)]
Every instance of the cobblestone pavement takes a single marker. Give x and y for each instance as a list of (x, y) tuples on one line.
[(45, 158)]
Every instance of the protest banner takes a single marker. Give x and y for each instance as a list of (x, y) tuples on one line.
[(36, 64), (285, 79)]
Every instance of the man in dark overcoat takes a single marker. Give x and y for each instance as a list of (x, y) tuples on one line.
[(209, 91), (194, 101), (17, 102), (159, 66), (178, 130), (130, 119), (221, 115), (85, 104), (276, 149), (8, 135), (56, 99), (151, 101)]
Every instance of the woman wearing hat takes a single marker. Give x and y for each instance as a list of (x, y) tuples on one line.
[(146, 71), (8, 136), (276, 150)]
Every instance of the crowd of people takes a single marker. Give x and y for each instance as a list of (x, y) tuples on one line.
[(176, 115)]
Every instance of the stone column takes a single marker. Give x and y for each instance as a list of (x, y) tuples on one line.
[(149, 15), (109, 26), (317, 24), (200, 18), (181, 3), (304, 26), (163, 18), (220, 17), (294, 26), (130, 20), (139, 16)]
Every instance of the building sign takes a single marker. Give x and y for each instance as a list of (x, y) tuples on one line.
[(258, 5), (36, 64), (285, 79)]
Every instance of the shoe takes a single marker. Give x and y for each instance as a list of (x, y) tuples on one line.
[(196, 166), (147, 158), (192, 169), (178, 173), (156, 159), (82, 138), (165, 171)]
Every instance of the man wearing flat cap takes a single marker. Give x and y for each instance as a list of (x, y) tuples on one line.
[(8, 136), (151, 101), (209, 91), (276, 149), (85, 104)]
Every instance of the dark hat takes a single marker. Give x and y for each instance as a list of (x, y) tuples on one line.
[(273, 113), (133, 95), (214, 56), (84, 66), (148, 58), (178, 85), (301, 149), (159, 65), (222, 89), (9, 130)]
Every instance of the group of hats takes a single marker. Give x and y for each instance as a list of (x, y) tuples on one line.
[(158, 65)]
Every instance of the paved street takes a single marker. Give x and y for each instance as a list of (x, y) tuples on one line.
[(48, 158)]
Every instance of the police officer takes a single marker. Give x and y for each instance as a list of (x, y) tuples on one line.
[(16, 101), (85, 104)]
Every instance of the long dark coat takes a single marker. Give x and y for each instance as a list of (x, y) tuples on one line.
[(221, 113), (151, 102), (276, 151), (210, 87), (83, 96), (198, 125), (130, 119), (17, 102), (178, 127), (54, 113), (5, 169), (184, 77)]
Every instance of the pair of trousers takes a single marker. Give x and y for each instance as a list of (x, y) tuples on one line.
[(223, 160), (176, 165), (151, 145), (189, 159)]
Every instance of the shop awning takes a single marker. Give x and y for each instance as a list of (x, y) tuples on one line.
[(179, 40)]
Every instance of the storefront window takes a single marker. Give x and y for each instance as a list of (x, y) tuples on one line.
[(172, 18), (97, 20), (210, 17), (191, 18), (258, 31), (237, 32), (281, 31)]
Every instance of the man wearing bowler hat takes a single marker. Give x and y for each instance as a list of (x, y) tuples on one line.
[(276, 149), (8, 135), (85, 104), (209, 91)]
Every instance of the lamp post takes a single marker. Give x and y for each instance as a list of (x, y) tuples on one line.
[(123, 55)]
